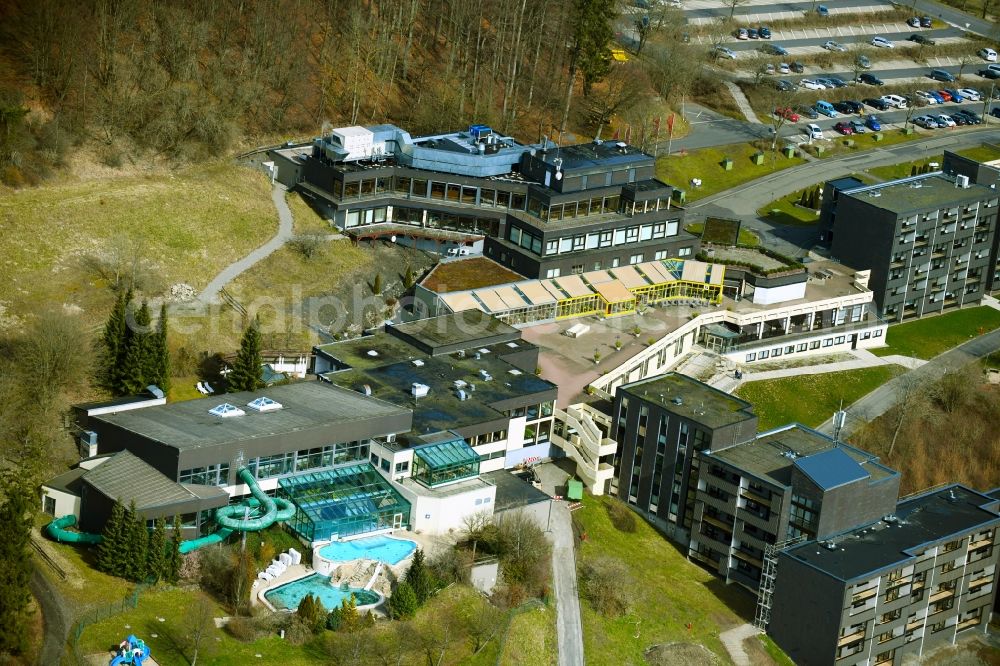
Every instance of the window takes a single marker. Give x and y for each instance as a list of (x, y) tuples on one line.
[(751, 357), (552, 273), (605, 239), (50, 505), (814, 344), (577, 269), (672, 227), (801, 347), (552, 247), (660, 255), (437, 190), (764, 354), (635, 259), (684, 252), (402, 466), (839, 340)]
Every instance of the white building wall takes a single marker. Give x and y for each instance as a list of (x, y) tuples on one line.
[(515, 433), (66, 503), (771, 295), (438, 515)]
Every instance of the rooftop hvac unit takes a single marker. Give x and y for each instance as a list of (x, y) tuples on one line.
[(419, 390), (678, 400), (962, 182), (366, 389), (417, 362), (88, 438), (462, 395)]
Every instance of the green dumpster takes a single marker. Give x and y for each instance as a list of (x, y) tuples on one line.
[(574, 490)]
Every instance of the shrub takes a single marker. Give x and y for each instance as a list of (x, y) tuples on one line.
[(606, 585), (402, 604), (621, 517)]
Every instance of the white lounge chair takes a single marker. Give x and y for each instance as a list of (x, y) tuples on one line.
[(201, 389), (209, 388)]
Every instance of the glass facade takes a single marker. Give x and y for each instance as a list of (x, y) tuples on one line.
[(343, 501), (438, 464)]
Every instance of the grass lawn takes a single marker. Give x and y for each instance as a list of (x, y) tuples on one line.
[(785, 211), (983, 153), (471, 273), (667, 592), (531, 639), (811, 399), (774, 651), (306, 220), (902, 170), (706, 164), (188, 224), (926, 338), (747, 237), (838, 146)]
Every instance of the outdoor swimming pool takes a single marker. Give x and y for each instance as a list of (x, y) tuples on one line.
[(383, 548), (290, 594)]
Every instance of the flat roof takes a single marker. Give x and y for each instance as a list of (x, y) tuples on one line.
[(596, 155), (925, 519), (927, 191), (128, 478), (469, 326), (189, 425), (698, 401), (470, 273), (773, 454), (512, 491)]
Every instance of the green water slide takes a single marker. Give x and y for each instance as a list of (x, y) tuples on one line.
[(243, 517)]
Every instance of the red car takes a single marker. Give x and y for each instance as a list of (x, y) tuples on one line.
[(945, 95), (786, 113), (844, 128)]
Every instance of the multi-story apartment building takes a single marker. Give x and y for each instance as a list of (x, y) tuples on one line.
[(928, 240), (543, 210), (923, 576), (981, 173)]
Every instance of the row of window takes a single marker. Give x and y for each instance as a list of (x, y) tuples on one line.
[(278, 464), (530, 240), (212, 475), (807, 346), (430, 219), (578, 269)]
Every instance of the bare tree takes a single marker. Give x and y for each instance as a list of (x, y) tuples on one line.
[(307, 244), (200, 621), (909, 393), (733, 4), (964, 61), (780, 103), (916, 102)]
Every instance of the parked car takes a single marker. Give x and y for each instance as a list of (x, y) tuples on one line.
[(834, 46), (773, 49), (873, 123), (810, 84), (764, 32), (944, 121), (936, 96), (844, 128), (798, 67), (895, 101), (926, 22), (835, 82), (813, 131), (752, 33), (823, 10), (784, 85), (974, 118), (858, 127), (741, 33), (783, 68), (989, 74), (807, 111), (769, 69), (995, 112), (876, 103), (941, 75), (787, 113), (848, 106), (955, 95), (971, 94), (725, 52), (882, 43), (871, 79), (927, 97), (927, 122), (863, 62), (913, 22), (826, 108), (959, 119), (987, 54), (920, 39), (944, 95)]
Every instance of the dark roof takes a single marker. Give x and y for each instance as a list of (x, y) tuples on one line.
[(513, 492), (586, 156), (189, 425), (921, 521), (831, 468), (845, 183), (917, 193), (128, 478), (68, 482), (464, 329), (771, 456), (698, 401)]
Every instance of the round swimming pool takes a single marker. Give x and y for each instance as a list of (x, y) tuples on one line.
[(382, 548), (289, 595)]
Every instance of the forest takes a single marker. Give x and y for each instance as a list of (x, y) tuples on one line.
[(185, 80)]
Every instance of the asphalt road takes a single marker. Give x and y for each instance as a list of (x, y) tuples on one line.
[(956, 17), (569, 629), (778, 7), (742, 45), (970, 76)]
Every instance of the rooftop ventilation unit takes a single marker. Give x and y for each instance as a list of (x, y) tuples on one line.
[(417, 362), (891, 518), (372, 353), (460, 383), (962, 182), (462, 395), (829, 545), (515, 371), (460, 353), (264, 404), (419, 390), (678, 400), (484, 350), (225, 410), (366, 389)]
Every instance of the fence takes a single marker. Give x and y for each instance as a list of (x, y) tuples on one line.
[(94, 615)]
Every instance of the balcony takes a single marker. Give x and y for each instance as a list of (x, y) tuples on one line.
[(747, 557), (712, 520), (850, 638), (756, 497), (585, 445), (941, 594), (971, 622)]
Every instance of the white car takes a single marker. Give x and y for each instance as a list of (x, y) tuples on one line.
[(944, 121), (783, 68), (926, 97), (882, 43), (809, 84), (834, 46), (742, 33), (894, 101), (989, 55), (970, 94), (725, 52), (813, 131)]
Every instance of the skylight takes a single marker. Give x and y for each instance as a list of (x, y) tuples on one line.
[(225, 410), (264, 404)]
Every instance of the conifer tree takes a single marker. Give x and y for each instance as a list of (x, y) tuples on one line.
[(160, 356), (114, 342), (15, 563), (136, 366), (111, 551), (350, 619), (403, 602), (377, 284), (245, 374), (137, 544), (172, 563), (804, 198), (156, 553), (419, 578)]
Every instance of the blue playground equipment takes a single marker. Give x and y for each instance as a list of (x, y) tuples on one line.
[(251, 515), (132, 650)]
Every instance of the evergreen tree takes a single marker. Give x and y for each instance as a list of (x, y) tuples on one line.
[(156, 554), (15, 563), (410, 278), (136, 544), (403, 602), (114, 342), (804, 199), (172, 562), (245, 374), (377, 284), (111, 551), (350, 619), (136, 366), (159, 356), (419, 577), (312, 613)]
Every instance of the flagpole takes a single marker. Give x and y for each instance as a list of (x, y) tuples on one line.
[(656, 137), (670, 133)]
